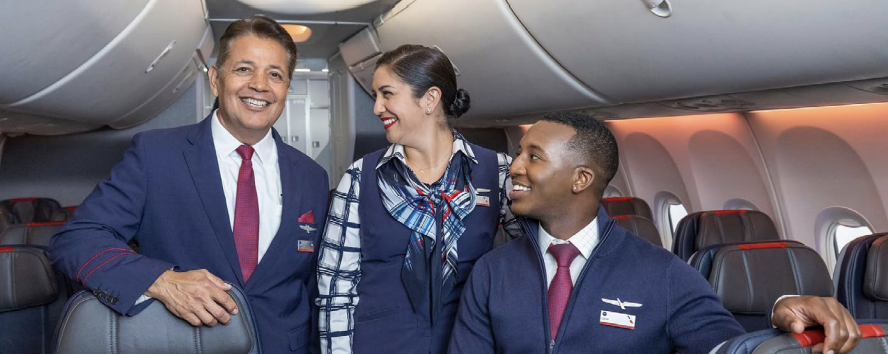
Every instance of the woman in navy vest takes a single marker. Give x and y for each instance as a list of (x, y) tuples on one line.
[(408, 222)]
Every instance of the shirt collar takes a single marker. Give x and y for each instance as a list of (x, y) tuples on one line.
[(226, 144), (459, 145), (585, 240)]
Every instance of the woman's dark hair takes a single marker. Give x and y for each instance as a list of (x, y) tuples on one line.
[(423, 67), (262, 27)]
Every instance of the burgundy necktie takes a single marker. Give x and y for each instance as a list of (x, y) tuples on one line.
[(561, 286), (246, 214)]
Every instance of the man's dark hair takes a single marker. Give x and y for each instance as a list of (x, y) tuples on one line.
[(262, 27), (593, 142)]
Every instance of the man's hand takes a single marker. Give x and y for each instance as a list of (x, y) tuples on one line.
[(793, 314), (195, 296)]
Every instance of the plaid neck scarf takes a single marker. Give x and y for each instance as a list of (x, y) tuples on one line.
[(417, 206)]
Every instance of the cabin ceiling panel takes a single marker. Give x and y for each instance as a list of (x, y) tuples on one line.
[(626, 53), (504, 70), (44, 40), (115, 81)]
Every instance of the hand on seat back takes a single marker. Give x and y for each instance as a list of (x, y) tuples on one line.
[(793, 314), (196, 296)]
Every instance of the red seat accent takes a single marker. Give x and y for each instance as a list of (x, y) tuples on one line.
[(723, 212), (763, 245), (17, 200), (621, 217), (5, 249), (46, 223), (70, 208), (617, 199), (816, 336)]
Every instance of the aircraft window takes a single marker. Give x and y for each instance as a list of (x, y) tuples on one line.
[(676, 212), (846, 231), (611, 192)]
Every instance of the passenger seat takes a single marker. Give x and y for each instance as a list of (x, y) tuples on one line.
[(32, 297), (627, 206), (775, 341), (7, 219), (35, 233), (63, 214), (640, 226), (750, 277), (706, 228), (31, 209), (861, 277)]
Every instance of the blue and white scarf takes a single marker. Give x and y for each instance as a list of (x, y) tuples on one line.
[(414, 204)]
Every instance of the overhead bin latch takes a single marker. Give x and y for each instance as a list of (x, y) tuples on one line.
[(166, 51), (660, 8)]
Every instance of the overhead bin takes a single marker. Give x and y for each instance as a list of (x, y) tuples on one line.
[(117, 63), (503, 68), (627, 53)]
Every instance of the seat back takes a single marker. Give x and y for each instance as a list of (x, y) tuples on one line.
[(88, 326), (32, 296), (63, 214), (35, 233), (773, 341), (861, 277), (7, 219), (31, 209), (640, 226), (749, 277), (627, 206), (701, 229)]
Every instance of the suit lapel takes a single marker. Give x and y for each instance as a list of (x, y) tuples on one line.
[(204, 169), (292, 199)]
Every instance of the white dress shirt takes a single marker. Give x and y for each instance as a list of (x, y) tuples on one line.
[(585, 240), (267, 172)]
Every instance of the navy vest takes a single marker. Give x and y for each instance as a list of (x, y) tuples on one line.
[(385, 321)]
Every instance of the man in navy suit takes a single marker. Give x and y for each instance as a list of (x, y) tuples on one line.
[(224, 201), (580, 284)]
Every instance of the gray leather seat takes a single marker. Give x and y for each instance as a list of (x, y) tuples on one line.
[(32, 296), (63, 214), (640, 226), (31, 209), (773, 341), (750, 277), (627, 206), (861, 277), (88, 326), (37, 234), (706, 228), (7, 219)]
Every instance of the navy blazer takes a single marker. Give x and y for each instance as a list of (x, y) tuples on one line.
[(167, 194)]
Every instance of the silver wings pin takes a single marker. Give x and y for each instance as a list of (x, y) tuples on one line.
[(621, 304)]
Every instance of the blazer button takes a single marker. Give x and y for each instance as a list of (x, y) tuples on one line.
[(113, 301)]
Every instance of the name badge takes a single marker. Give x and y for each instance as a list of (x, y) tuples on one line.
[(616, 319), (306, 246), (482, 201)]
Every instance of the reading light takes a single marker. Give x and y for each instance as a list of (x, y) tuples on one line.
[(299, 33)]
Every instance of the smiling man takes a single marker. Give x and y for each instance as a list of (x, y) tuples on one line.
[(224, 201), (581, 284)]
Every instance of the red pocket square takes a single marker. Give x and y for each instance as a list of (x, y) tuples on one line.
[(308, 217)]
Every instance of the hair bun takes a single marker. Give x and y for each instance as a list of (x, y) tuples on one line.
[(461, 103)]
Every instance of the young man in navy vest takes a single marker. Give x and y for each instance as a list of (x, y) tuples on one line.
[(543, 293), (218, 202)]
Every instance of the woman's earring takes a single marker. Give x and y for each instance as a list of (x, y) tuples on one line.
[(429, 110)]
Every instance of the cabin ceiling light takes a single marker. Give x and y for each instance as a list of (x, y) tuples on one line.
[(299, 33), (660, 8), (304, 7)]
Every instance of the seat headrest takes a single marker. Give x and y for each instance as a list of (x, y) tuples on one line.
[(750, 277), (640, 226), (627, 206), (88, 326), (63, 214), (31, 209), (875, 281), (734, 226), (35, 233), (26, 278)]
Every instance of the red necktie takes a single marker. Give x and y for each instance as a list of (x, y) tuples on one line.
[(561, 286), (246, 215)]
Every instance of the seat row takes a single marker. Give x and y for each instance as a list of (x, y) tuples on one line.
[(30, 210)]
